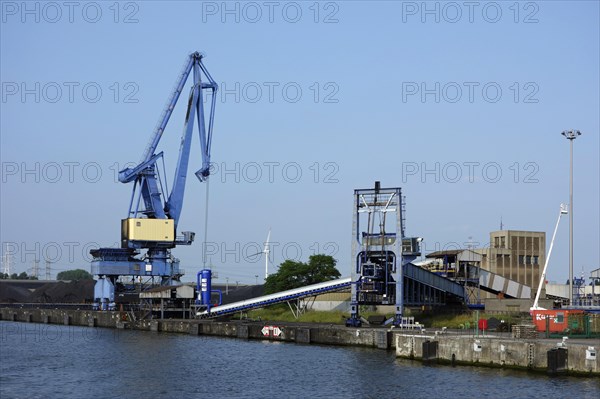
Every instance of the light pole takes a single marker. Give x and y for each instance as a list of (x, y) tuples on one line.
[(571, 135)]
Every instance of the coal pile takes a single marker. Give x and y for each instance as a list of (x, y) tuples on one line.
[(60, 292), (13, 294), (48, 292), (242, 293), (82, 291)]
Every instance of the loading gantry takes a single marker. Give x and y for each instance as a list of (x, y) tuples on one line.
[(379, 251)]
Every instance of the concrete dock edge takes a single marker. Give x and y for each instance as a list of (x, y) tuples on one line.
[(489, 351)]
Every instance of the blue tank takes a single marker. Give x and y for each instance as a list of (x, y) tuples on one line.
[(205, 286)]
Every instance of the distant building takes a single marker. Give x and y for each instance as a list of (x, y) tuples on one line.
[(517, 255), (584, 294), (451, 263)]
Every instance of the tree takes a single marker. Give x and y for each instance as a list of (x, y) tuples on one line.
[(293, 274), (77, 274)]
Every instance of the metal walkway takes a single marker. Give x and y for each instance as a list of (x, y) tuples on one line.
[(280, 297), (422, 287)]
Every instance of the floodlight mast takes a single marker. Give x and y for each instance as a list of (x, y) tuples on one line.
[(571, 135)]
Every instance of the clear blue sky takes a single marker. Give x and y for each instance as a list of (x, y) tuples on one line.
[(389, 91)]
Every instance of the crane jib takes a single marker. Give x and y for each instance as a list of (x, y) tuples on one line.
[(148, 173)]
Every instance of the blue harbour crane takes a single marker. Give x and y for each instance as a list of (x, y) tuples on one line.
[(153, 218)]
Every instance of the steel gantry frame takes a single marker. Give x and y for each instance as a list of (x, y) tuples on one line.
[(379, 251)]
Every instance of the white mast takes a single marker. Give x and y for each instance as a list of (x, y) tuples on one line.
[(563, 211)]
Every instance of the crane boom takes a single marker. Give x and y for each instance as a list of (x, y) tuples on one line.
[(166, 115), (128, 174), (145, 173)]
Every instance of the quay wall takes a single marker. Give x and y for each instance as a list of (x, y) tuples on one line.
[(287, 332), (529, 354)]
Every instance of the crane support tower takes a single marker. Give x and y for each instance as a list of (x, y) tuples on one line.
[(379, 251), (153, 218)]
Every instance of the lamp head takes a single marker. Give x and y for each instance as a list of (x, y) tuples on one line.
[(571, 134)]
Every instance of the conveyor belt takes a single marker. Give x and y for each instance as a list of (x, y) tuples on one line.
[(272, 299), (495, 284)]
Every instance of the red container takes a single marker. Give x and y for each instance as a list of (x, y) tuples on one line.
[(483, 324), (558, 319)]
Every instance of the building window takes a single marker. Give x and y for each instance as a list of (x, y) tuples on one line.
[(528, 260), (499, 242)]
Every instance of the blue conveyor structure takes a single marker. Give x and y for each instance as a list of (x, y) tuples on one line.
[(280, 297), (421, 287)]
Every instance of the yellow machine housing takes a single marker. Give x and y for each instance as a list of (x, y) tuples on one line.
[(138, 229)]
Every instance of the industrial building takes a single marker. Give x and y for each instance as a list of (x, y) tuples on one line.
[(170, 300), (509, 266), (516, 254)]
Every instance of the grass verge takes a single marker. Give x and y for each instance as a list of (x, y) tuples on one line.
[(429, 319)]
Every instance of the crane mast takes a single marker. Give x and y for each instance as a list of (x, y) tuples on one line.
[(153, 218)]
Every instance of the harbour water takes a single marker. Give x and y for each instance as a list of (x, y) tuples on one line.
[(57, 361)]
